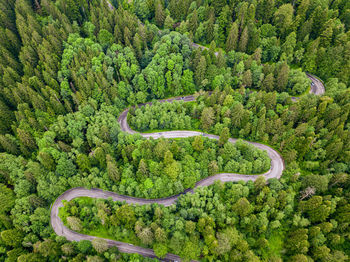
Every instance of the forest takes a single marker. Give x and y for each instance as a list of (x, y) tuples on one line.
[(68, 70)]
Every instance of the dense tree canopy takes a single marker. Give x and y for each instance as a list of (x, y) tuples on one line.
[(68, 68)]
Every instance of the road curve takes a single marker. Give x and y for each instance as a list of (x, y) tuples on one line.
[(70, 235), (317, 87), (277, 166)]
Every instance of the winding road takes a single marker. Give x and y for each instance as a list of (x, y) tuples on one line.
[(277, 166), (276, 169), (317, 86)]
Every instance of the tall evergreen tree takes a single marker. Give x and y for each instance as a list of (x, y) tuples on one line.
[(159, 13), (200, 71), (193, 23), (232, 38), (243, 41)]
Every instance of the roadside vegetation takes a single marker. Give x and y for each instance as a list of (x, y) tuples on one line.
[(68, 68)]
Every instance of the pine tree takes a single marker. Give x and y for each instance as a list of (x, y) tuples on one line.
[(7, 15), (224, 136), (174, 9), (265, 9), (159, 14), (247, 80), (326, 35), (9, 144), (6, 118), (168, 23), (207, 118), (231, 42), (220, 59), (301, 11), (73, 11), (237, 115), (112, 168), (200, 71), (288, 46), (251, 13), (282, 77), (137, 43), (193, 24), (309, 61), (243, 41), (242, 15), (127, 37), (284, 18), (26, 139), (253, 38), (268, 83), (210, 30), (223, 21)]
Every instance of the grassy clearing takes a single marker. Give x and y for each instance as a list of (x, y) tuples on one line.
[(101, 232)]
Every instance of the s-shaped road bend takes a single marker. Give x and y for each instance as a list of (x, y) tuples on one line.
[(277, 167), (275, 171)]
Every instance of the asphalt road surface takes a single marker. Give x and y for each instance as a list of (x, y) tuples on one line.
[(316, 87), (70, 235), (277, 167), (275, 171)]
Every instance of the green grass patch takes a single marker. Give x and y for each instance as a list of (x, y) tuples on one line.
[(100, 231)]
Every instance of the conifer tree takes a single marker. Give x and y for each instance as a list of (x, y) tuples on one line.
[(200, 71), (243, 41), (112, 168), (159, 13), (282, 77), (210, 29), (232, 38), (193, 24)]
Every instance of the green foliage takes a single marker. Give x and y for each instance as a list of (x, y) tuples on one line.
[(69, 67), (105, 38), (11, 237), (7, 199)]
